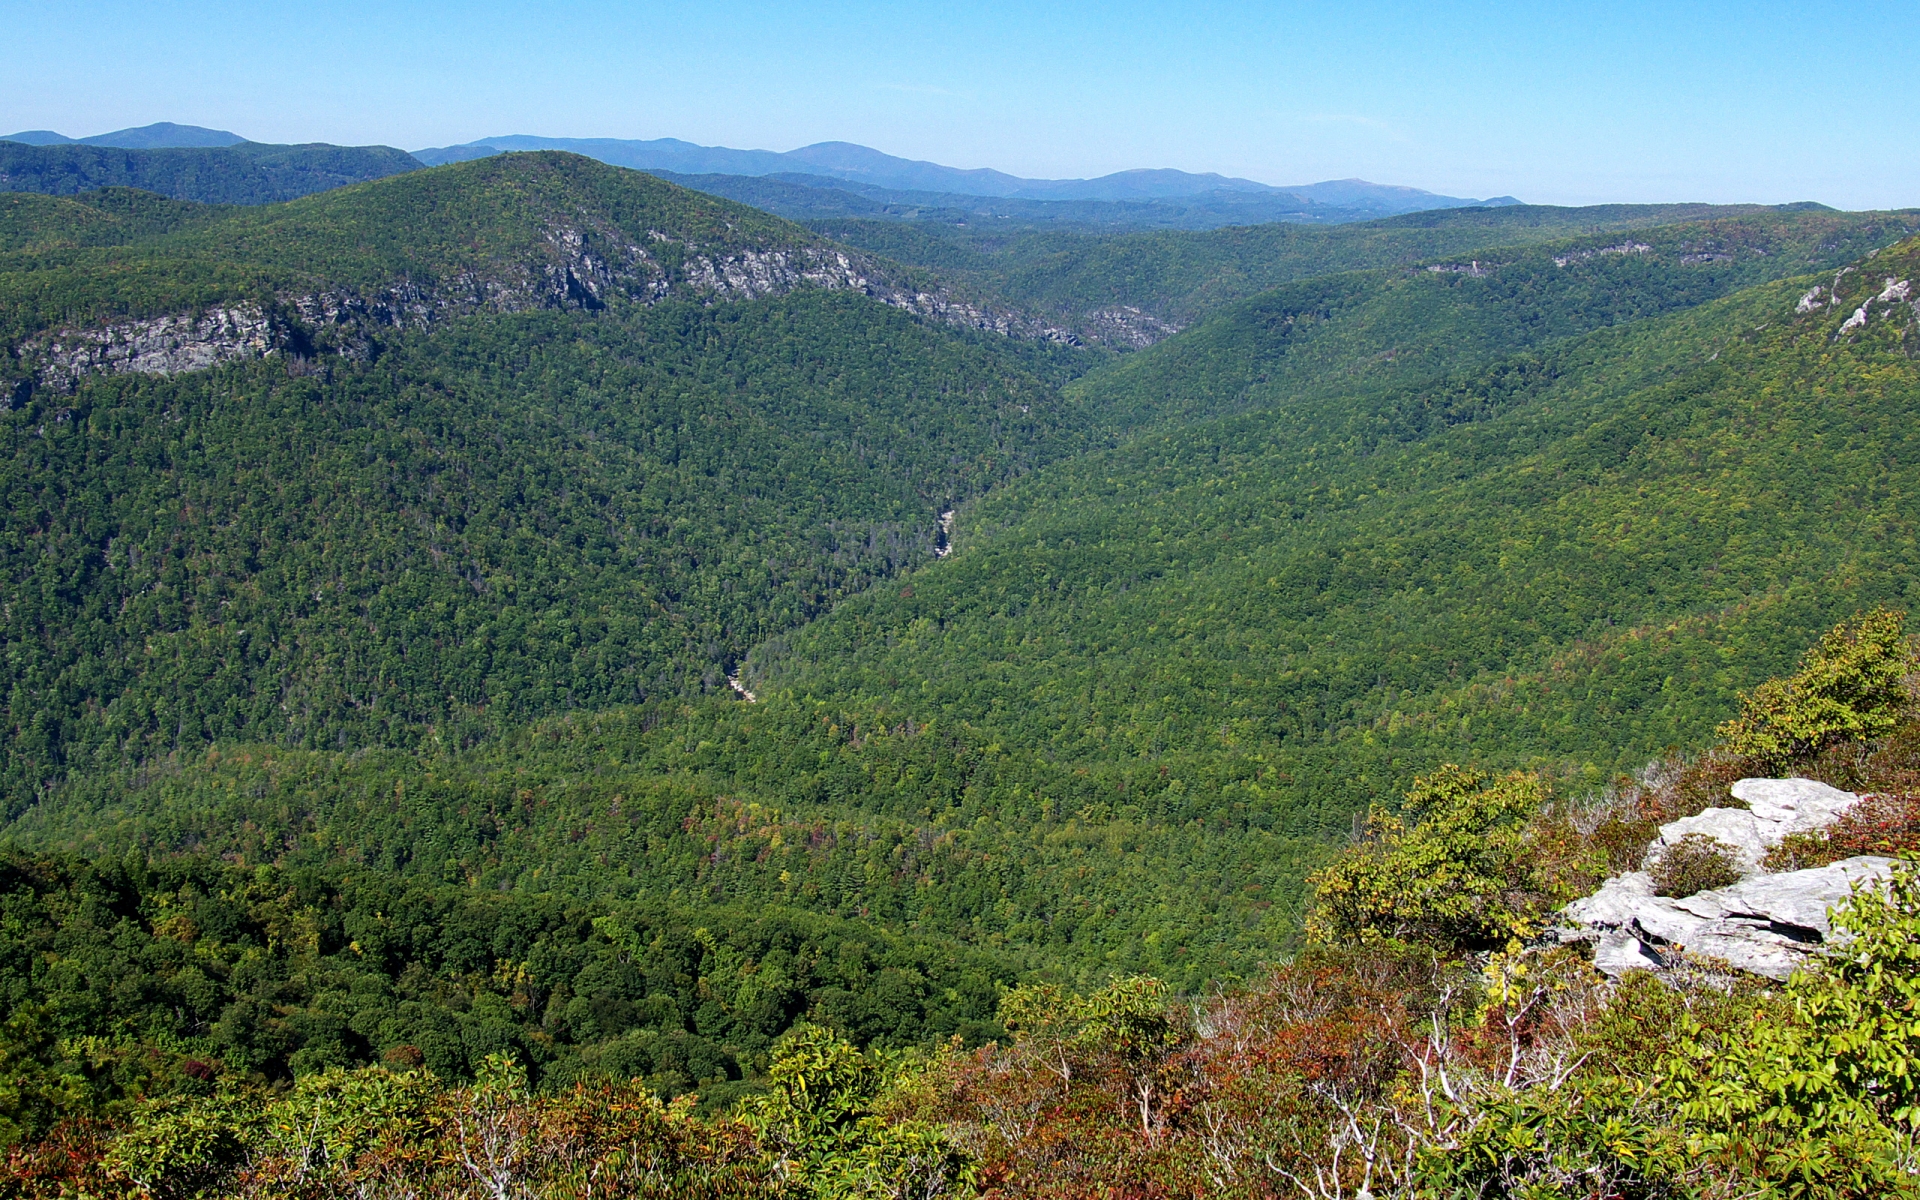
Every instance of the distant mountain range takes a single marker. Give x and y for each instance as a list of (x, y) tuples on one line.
[(1203, 200), (862, 165), (188, 162), (163, 135)]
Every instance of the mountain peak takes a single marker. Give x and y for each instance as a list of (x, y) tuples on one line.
[(164, 135)]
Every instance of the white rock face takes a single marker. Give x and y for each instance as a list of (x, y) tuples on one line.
[(570, 274), (1799, 805), (159, 345), (1775, 808), (1739, 830), (1767, 924)]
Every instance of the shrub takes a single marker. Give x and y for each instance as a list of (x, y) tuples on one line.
[(1694, 864), (824, 1114), (1821, 1099), (1888, 825), (1460, 878), (1851, 687)]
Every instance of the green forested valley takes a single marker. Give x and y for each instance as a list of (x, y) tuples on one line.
[(523, 645), (516, 516), (1088, 277)]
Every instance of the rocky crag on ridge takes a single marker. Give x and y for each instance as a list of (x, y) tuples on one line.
[(1767, 923), (560, 235)]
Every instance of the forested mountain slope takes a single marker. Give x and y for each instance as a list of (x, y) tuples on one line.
[(484, 447), (247, 173), (1353, 330), (1547, 554), (31, 224), (1117, 726), (274, 973), (1132, 289), (332, 274), (515, 515)]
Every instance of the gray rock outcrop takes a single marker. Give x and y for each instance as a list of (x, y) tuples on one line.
[(1775, 808), (1768, 923), (578, 264)]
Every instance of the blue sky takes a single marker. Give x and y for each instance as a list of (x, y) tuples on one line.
[(1554, 103)]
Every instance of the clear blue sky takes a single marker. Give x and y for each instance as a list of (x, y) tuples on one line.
[(1556, 103)]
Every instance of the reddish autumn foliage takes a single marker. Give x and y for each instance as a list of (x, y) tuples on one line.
[(1326, 1078), (611, 1140), (69, 1161), (1888, 825)]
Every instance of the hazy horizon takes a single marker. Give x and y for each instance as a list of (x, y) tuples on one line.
[(1719, 103)]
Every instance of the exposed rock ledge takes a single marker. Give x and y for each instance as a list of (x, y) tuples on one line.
[(1768, 923), (348, 324), (165, 345)]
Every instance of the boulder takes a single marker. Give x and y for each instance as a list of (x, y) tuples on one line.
[(1620, 951), (1775, 808), (1769, 923), (1612, 907), (1796, 903), (1748, 837), (1796, 805)]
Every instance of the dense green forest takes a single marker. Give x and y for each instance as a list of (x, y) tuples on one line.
[(512, 517), (526, 1046), (369, 697), (1576, 553), (249, 173), (1148, 671), (1336, 334), (286, 972), (1179, 277), (37, 225)]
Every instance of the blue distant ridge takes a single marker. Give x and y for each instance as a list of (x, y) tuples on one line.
[(850, 163), (163, 135), (861, 164)]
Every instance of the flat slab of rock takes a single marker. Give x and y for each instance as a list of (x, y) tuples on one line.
[(1612, 907), (1775, 808), (1797, 805), (1745, 835), (1620, 951), (1796, 902), (1767, 924)]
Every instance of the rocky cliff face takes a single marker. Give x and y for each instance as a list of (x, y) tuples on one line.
[(1126, 326), (156, 346), (579, 267), (1767, 923)]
